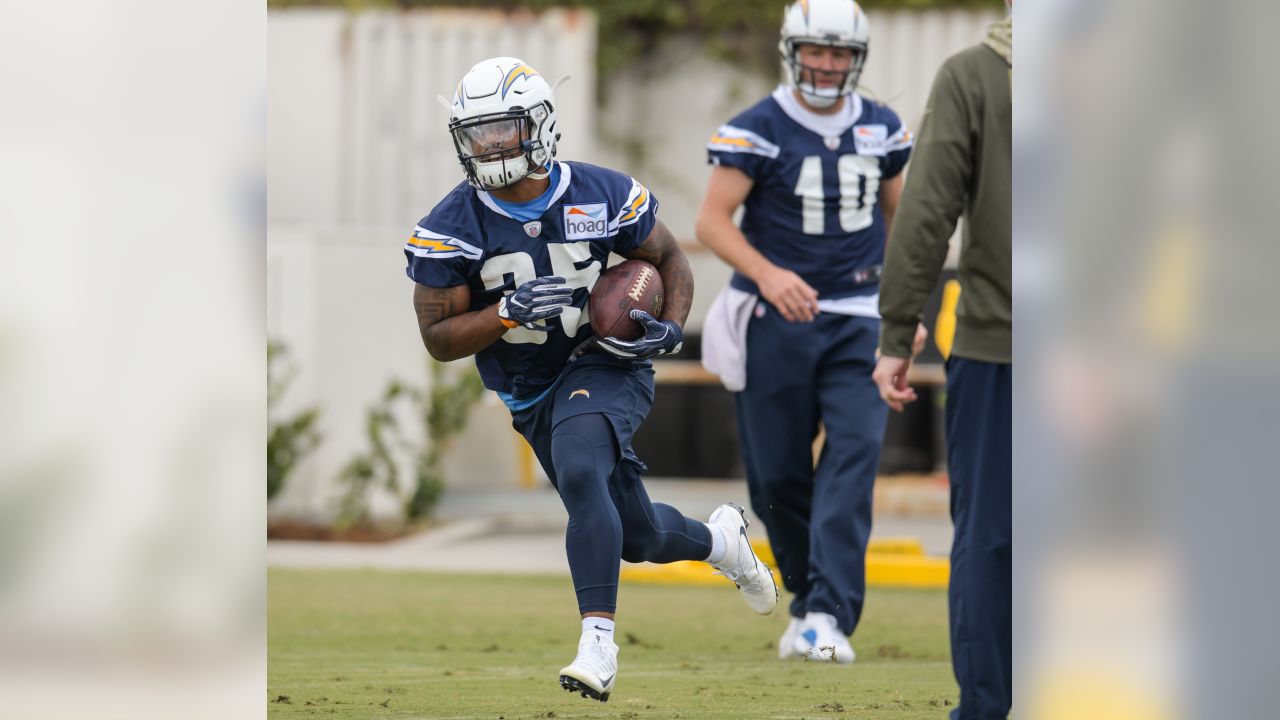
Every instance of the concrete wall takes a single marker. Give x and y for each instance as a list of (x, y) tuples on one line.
[(356, 135), (358, 153)]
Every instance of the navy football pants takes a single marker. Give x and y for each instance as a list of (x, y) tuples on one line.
[(583, 441), (818, 520), (979, 461)]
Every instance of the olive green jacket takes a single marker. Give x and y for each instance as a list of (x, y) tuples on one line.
[(961, 165)]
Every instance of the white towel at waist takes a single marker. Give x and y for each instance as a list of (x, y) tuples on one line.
[(724, 337), (860, 305)]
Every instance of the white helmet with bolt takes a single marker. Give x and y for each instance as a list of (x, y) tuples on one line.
[(831, 23), (503, 122)]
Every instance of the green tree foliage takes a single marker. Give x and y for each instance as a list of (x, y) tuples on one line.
[(446, 417), (442, 415), (291, 438)]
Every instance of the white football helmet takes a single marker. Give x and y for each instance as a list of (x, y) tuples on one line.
[(834, 23), (503, 122)]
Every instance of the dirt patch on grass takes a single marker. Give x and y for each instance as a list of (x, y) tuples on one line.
[(300, 530)]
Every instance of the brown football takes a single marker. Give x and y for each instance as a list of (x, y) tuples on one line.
[(627, 285)]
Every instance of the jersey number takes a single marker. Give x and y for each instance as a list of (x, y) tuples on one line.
[(572, 261), (859, 183)]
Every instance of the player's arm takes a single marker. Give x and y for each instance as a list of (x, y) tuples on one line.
[(448, 330), (787, 291), (662, 251), (890, 193)]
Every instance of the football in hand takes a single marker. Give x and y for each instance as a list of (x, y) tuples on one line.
[(629, 285)]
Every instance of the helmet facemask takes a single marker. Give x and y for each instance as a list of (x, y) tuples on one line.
[(499, 149), (835, 83)]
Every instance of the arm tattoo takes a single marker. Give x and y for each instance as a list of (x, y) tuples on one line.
[(662, 250), (432, 306)]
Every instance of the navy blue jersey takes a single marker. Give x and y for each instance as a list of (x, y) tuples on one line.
[(468, 239), (813, 205)]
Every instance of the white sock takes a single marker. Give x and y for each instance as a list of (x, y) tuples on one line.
[(717, 544), (599, 626)]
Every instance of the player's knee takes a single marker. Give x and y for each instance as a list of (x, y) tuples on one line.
[(781, 480), (576, 473), (572, 458), (856, 444)]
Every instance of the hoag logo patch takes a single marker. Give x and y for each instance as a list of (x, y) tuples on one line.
[(870, 139), (586, 222)]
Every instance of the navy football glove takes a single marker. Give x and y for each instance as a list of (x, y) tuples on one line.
[(661, 337), (538, 299)]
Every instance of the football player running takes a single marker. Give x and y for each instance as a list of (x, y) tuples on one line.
[(818, 168), (503, 267)]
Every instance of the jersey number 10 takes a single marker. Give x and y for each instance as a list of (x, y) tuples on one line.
[(859, 185)]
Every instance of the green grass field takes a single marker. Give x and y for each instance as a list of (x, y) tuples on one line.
[(419, 645)]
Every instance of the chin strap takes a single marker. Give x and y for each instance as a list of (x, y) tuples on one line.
[(543, 173), (819, 101)]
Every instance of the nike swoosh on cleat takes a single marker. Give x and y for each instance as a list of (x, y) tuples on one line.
[(606, 681)]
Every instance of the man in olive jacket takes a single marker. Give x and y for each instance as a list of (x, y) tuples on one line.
[(962, 166)]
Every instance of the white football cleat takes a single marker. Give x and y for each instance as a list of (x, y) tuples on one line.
[(787, 643), (594, 670), (820, 639), (740, 563)]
